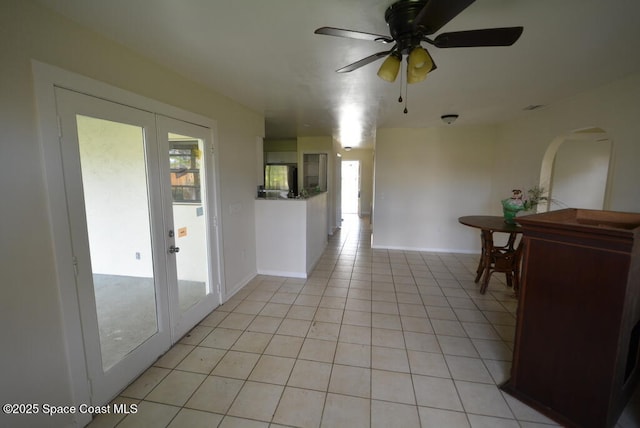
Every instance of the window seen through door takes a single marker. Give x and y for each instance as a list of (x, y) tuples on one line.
[(184, 161)]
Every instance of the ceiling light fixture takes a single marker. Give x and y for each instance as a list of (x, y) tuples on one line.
[(389, 69), (449, 118), (411, 22), (347, 148), (420, 64)]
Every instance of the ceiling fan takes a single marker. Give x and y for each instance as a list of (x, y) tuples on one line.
[(411, 22)]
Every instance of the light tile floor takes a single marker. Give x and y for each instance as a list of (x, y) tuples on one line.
[(373, 338)]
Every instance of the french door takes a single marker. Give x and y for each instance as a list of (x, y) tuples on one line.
[(184, 154), (137, 196)]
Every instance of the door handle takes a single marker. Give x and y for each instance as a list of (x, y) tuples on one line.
[(173, 249)]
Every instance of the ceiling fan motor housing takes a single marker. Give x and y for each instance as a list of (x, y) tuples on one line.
[(400, 17)]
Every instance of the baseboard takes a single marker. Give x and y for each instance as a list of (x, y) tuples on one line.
[(239, 286), (282, 273), (423, 249)]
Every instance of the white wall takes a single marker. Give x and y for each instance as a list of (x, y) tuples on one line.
[(281, 240), (426, 179), (316, 229), (291, 235), (580, 171), (33, 368)]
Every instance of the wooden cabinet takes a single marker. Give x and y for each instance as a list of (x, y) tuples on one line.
[(281, 157), (578, 328)]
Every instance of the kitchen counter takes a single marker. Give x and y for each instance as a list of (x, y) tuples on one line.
[(291, 235)]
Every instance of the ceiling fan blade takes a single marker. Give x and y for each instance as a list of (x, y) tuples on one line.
[(436, 13), (475, 38), (351, 34), (364, 61)]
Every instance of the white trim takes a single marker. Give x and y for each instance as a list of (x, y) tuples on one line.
[(46, 111), (424, 250), (240, 285), (282, 273), (45, 79)]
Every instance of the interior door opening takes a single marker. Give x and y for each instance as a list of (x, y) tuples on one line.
[(351, 187), (579, 159)]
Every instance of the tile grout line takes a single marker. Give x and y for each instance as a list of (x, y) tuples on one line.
[(398, 287)]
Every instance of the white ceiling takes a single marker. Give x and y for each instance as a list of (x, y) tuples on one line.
[(264, 55)]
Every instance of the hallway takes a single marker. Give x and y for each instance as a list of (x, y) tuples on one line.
[(372, 338)]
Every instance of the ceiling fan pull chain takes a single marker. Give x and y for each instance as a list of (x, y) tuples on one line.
[(406, 92), (401, 82), (406, 96)]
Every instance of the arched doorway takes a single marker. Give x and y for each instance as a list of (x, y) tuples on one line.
[(575, 170)]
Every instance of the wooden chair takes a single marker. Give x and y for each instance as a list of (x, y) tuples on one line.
[(505, 259)]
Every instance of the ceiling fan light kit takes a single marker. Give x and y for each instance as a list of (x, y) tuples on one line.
[(411, 22), (389, 69), (420, 64)]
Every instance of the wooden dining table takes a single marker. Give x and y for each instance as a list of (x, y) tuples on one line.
[(508, 254)]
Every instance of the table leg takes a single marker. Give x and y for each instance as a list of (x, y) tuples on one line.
[(485, 260), (481, 263)]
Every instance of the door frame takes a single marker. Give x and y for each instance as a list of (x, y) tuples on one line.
[(45, 79)]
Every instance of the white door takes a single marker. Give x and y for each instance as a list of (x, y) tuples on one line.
[(109, 172), (138, 291), (351, 187), (186, 159)]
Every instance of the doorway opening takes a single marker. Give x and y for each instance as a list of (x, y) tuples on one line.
[(351, 187), (574, 162)]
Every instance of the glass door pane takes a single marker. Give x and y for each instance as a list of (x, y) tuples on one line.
[(188, 202), (114, 179), (193, 271)]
